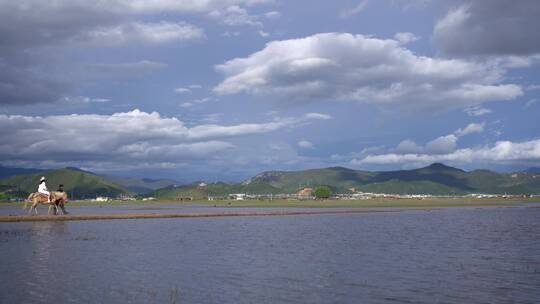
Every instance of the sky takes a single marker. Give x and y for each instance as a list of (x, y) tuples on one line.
[(223, 90)]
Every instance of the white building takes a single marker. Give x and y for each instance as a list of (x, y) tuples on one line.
[(238, 196)]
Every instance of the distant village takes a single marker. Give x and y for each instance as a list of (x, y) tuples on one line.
[(308, 193)]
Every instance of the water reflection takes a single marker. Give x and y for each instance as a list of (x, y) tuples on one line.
[(45, 245)]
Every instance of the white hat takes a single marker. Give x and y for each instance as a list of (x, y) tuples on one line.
[(42, 179)]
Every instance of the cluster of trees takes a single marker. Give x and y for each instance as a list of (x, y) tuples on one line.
[(323, 192)]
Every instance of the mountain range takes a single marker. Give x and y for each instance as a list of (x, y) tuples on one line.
[(7, 171), (436, 179), (79, 184), (140, 186)]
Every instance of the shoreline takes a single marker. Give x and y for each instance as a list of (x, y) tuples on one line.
[(90, 217)]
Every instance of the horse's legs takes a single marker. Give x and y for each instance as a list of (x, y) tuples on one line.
[(63, 207)]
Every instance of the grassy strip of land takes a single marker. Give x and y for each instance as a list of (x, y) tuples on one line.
[(371, 203), (90, 217)]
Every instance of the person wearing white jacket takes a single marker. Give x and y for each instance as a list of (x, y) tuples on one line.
[(42, 188)]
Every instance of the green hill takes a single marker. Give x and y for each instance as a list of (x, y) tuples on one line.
[(410, 187), (78, 184), (196, 191), (436, 179), (140, 186), (338, 178)]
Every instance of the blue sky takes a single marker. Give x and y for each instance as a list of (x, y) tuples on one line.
[(222, 90)]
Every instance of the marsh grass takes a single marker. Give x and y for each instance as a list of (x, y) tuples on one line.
[(368, 203)]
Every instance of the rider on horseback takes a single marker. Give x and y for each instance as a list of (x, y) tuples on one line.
[(42, 188)]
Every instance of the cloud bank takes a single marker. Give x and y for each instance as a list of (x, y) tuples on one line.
[(35, 34), (502, 152), (125, 138), (444, 149)]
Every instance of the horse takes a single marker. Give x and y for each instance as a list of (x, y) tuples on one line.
[(58, 199)]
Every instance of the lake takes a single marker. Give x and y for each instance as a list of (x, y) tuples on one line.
[(439, 255)]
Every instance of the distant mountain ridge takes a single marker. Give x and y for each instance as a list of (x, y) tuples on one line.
[(201, 190), (141, 186), (7, 171), (18, 182), (435, 179), (79, 184)]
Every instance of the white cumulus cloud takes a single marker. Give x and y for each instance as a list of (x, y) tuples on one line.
[(444, 149), (405, 37), (234, 16), (342, 66), (142, 33), (442, 144), (408, 146), (470, 128), (182, 90), (477, 111), (273, 15), (502, 152), (305, 144)]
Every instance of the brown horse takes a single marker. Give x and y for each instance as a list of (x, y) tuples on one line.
[(58, 199)]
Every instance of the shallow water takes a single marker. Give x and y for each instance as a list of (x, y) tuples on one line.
[(449, 255)]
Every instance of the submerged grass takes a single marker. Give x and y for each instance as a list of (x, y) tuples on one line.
[(353, 207), (371, 203)]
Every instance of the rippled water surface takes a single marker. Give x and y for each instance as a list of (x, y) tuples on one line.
[(448, 255)]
